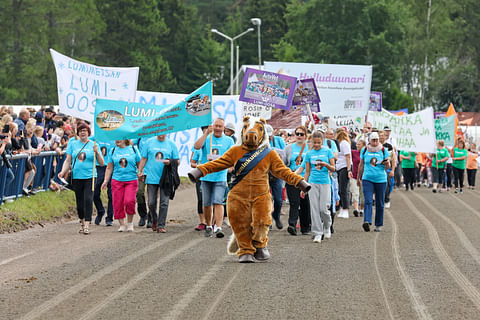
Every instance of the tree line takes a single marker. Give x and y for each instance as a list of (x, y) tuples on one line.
[(423, 53)]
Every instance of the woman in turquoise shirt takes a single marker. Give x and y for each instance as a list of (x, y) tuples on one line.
[(82, 151)]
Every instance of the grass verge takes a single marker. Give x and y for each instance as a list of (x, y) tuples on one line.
[(36, 210)]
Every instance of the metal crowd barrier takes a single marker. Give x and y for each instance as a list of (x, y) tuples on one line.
[(44, 163)]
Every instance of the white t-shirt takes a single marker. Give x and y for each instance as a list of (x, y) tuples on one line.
[(345, 149)]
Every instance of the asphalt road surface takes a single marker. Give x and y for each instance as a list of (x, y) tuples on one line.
[(425, 265)]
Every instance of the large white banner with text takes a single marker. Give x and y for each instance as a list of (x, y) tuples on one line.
[(344, 90)]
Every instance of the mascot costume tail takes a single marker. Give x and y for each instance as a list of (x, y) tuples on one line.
[(249, 201)]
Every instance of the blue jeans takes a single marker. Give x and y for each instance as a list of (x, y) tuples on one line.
[(10, 177), (369, 188), (277, 195), (213, 192)]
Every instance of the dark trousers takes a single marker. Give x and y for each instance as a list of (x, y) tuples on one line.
[(299, 208), (408, 177), (97, 200), (153, 190), (277, 195), (458, 176), (471, 173), (449, 176), (84, 198), (343, 181), (198, 189), (418, 178), (141, 204)]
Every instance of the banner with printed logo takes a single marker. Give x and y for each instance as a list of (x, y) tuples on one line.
[(117, 120), (445, 130), (80, 84), (413, 132)]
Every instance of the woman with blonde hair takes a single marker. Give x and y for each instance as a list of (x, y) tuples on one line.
[(343, 167)]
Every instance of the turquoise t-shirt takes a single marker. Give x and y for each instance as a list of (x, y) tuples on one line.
[(333, 145), (279, 143), (319, 175), (83, 165), (141, 142), (155, 152), (373, 169), (219, 147), (197, 155), (458, 153), (295, 153), (124, 162)]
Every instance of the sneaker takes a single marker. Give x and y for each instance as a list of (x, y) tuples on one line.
[(208, 232), (130, 227), (361, 213), (161, 230), (366, 226), (317, 239), (215, 228), (387, 205), (456, 190), (149, 224), (355, 212), (343, 213), (461, 190), (219, 233), (141, 223), (109, 224), (292, 230), (122, 228), (225, 220), (98, 219), (327, 233), (200, 227), (378, 229), (434, 190)]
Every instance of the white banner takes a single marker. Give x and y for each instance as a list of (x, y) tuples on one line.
[(226, 107), (344, 90), (413, 132), (353, 123), (79, 84), (256, 110)]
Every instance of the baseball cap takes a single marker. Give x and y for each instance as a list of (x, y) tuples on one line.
[(387, 128), (373, 136), (230, 126), (269, 129)]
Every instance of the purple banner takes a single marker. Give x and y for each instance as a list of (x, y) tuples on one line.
[(375, 101), (268, 89), (305, 93), (439, 115)]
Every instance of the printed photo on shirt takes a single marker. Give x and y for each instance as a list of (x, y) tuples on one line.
[(104, 151), (159, 156), (123, 163), (82, 156), (215, 152), (373, 162)]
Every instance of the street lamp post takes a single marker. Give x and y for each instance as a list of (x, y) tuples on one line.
[(231, 50), (258, 22)]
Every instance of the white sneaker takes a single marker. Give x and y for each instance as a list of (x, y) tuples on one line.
[(317, 239), (122, 228), (387, 205), (215, 228), (225, 220), (130, 227), (343, 213), (327, 233)]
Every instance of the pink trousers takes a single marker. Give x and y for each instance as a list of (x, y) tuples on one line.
[(124, 196)]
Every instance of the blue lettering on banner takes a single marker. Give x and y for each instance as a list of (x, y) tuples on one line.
[(144, 101)]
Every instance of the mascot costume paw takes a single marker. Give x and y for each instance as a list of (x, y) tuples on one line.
[(249, 202)]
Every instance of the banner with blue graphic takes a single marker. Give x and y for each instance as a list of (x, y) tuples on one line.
[(80, 84), (117, 120)]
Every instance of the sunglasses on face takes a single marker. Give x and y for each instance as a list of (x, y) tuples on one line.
[(299, 134)]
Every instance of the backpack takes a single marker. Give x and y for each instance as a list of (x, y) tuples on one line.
[(365, 150)]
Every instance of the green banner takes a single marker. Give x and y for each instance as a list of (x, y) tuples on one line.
[(445, 130)]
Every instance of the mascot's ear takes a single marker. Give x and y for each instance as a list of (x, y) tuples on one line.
[(246, 118), (263, 121)]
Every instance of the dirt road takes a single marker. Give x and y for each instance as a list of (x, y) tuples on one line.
[(425, 265)]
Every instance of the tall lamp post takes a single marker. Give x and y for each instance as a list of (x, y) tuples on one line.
[(258, 22), (231, 50)]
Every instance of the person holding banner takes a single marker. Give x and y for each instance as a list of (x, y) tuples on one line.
[(472, 165), (81, 155), (299, 204), (374, 160), (214, 143), (459, 157), (123, 160), (156, 154), (105, 148), (438, 165)]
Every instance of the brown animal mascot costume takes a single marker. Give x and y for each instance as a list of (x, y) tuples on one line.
[(249, 202)]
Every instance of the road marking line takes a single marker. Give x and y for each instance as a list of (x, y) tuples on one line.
[(418, 305), (221, 294), (47, 305), (466, 205), (467, 244), (193, 292), (91, 313), (6, 261), (442, 254), (473, 192), (380, 277)]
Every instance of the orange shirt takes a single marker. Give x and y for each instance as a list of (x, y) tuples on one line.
[(472, 160), (421, 158)]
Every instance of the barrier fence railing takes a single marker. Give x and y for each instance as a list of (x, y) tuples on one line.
[(48, 164)]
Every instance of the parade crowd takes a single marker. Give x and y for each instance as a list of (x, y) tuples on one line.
[(350, 173)]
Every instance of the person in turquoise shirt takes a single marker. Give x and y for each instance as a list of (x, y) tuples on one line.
[(374, 160), (157, 153), (319, 162), (80, 155), (459, 157), (123, 160), (105, 148), (214, 143), (408, 160), (439, 158), (299, 206)]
